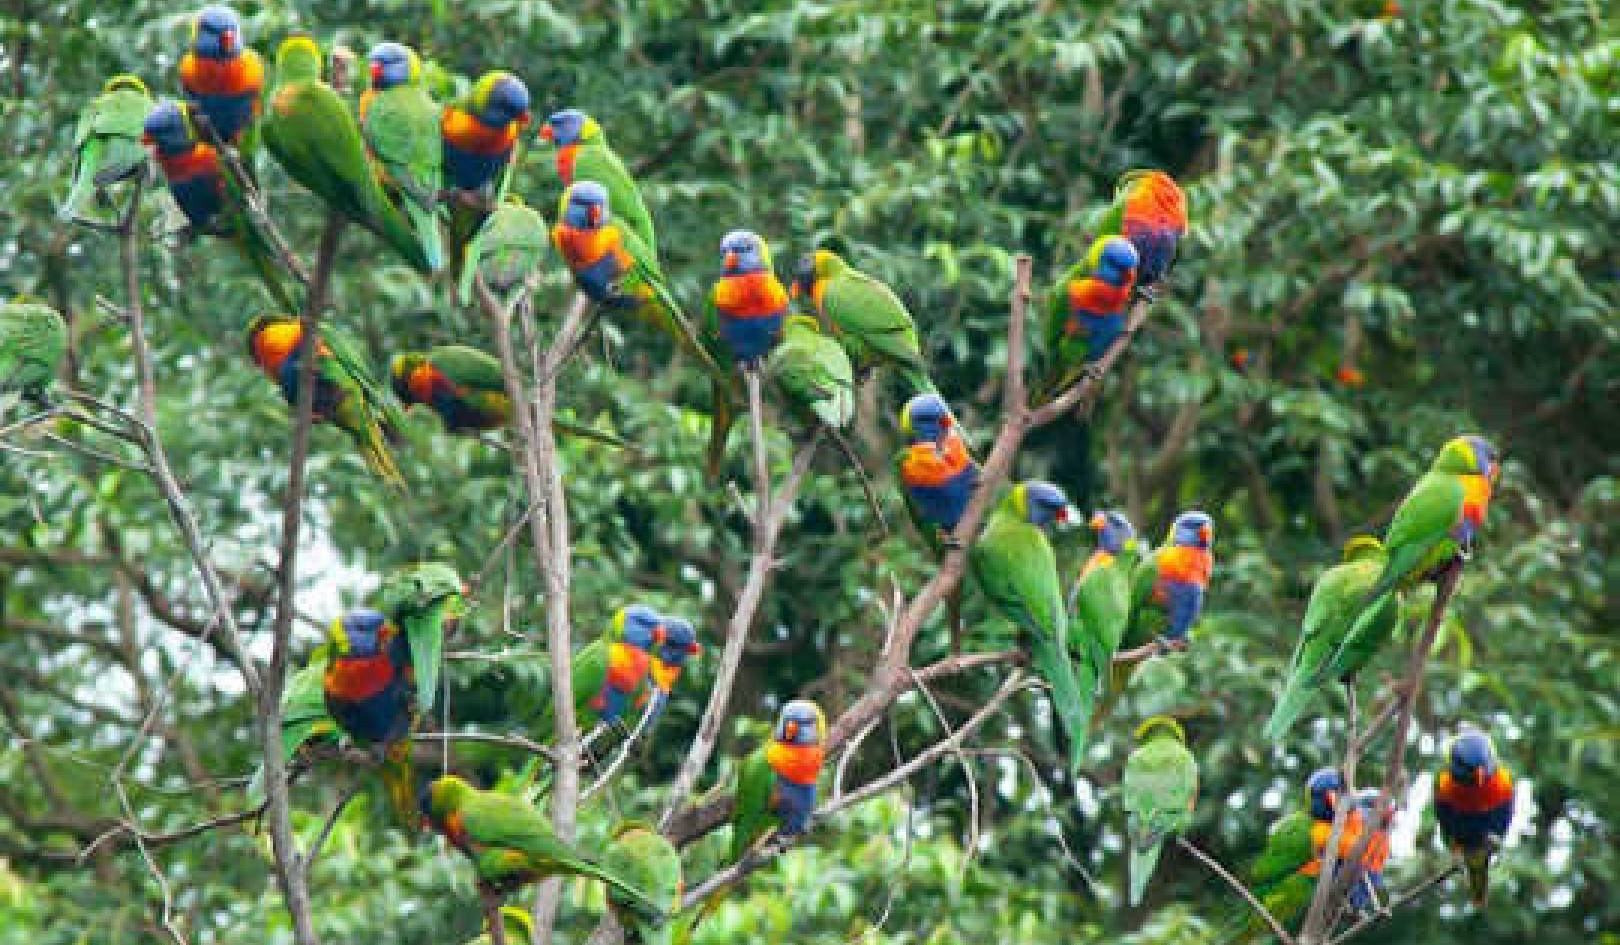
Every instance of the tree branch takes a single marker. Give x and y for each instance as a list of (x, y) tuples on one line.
[(1415, 892), (1215, 867)]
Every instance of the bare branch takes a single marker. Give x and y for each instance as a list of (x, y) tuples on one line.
[(1215, 867)]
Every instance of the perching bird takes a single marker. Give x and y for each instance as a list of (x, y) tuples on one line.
[(865, 315), (426, 601), (583, 153), (647, 860), (776, 786), (511, 844), (221, 76), (1280, 877), (1100, 605), (304, 719), (814, 374), (311, 133), (749, 301), (1160, 786), (1086, 314), (33, 344), (518, 925), (345, 392), (1014, 566), (680, 644), (400, 123), (637, 632), (1151, 211), (1327, 651), (507, 250), (107, 142), (479, 130), (936, 471), (1437, 521), (367, 688), (1473, 802), (1327, 790), (208, 196), (463, 385)]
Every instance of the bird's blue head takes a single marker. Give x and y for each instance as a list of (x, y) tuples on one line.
[(801, 723), (501, 98), (1325, 786), (1485, 459), (216, 33), (168, 128), (1041, 503), (639, 626), (569, 126), (1472, 758), (358, 633), (585, 205), (926, 418), (392, 64), (1117, 259), (744, 252), (680, 641), (1114, 531), (1193, 530)]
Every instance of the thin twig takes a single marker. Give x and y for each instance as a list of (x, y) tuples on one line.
[(486, 738), (1215, 867), (314, 852), (131, 830)]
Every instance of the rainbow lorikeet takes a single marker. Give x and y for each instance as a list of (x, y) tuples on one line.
[(518, 925), (749, 301), (1437, 521), (304, 719), (427, 601), (1473, 802), (367, 689), (312, 134), (937, 473), (511, 844), (1327, 649), (680, 644), (814, 374), (33, 344), (647, 860), (463, 385), (345, 392), (221, 76), (479, 130), (1160, 786), (1087, 312), (1327, 790), (583, 153), (400, 123), (208, 196), (776, 786), (507, 250), (1100, 604), (866, 317), (1014, 566), (107, 142), (609, 674), (1280, 878), (1150, 210)]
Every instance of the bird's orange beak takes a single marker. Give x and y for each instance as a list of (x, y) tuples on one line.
[(945, 422), (1479, 776), (794, 290), (1205, 534), (1333, 799), (791, 730), (595, 213), (1098, 521), (659, 633), (546, 134), (146, 138), (227, 40), (731, 261), (376, 73)]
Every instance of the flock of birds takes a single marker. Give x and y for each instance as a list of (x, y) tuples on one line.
[(432, 184)]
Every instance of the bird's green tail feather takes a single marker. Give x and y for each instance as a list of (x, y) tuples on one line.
[(429, 239), (1289, 708), (83, 182), (1144, 859), (1477, 863), (1051, 660)]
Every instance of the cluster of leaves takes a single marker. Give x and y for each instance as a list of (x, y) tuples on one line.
[(1425, 195)]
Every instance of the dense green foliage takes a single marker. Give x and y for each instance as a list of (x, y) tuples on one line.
[(1403, 228)]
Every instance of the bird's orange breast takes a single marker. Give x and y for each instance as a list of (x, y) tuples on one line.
[(800, 764), (235, 76), (1189, 565), (1474, 798), (469, 134), (926, 464), (751, 295)]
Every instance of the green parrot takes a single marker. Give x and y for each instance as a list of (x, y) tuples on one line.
[(1280, 878), (1101, 603), (507, 250), (1438, 519), (1167, 594), (107, 142), (866, 316), (1327, 649), (310, 131), (583, 153), (400, 122), (1161, 791), (511, 844), (33, 344), (519, 928), (1015, 567), (814, 373), (346, 394), (304, 719), (648, 861), (752, 815), (425, 601)]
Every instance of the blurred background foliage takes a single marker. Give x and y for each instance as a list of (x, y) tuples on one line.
[(1404, 220)]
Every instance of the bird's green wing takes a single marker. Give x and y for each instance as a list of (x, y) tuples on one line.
[(1102, 604), (1421, 527), (1287, 849), (303, 710), (346, 351), (751, 814), (1160, 786), (1015, 568), (1334, 603), (469, 367), (33, 342), (648, 861), (402, 127), (1368, 635), (597, 161), (816, 376), (507, 250), (666, 312), (589, 673), (868, 311)]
